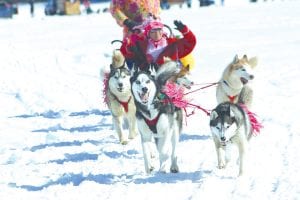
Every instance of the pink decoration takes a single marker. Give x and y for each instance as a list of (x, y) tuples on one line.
[(256, 125), (105, 87), (175, 94)]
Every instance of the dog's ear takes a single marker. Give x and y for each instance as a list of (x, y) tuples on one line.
[(152, 70), (232, 115), (213, 115), (253, 62), (231, 112), (235, 59), (112, 69), (245, 57), (135, 69)]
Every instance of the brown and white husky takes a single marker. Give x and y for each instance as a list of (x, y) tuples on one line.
[(233, 85)]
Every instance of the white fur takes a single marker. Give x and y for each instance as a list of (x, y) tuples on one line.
[(119, 90), (168, 127), (233, 134)]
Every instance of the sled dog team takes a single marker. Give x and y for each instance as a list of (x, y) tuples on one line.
[(137, 96), (145, 90)]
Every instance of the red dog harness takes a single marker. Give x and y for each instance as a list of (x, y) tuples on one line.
[(124, 104)]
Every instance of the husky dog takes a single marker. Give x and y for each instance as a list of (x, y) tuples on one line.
[(230, 124), (119, 97), (233, 84), (157, 120), (181, 78)]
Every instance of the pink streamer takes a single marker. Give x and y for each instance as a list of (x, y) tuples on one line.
[(256, 125), (105, 87), (175, 94)]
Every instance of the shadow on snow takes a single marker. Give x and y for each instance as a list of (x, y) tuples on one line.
[(56, 115), (63, 144), (85, 128), (184, 137), (77, 179), (78, 157)]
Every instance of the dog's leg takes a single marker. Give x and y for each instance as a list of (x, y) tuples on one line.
[(163, 145), (220, 154), (175, 138), (147, 156), (146, 139), (242, 154), (132, 126), (163, 154), (118, 126)]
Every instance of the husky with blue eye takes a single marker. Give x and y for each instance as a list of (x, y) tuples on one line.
[(159, 121), (230, 125)]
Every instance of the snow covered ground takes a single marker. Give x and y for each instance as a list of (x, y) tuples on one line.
[(56, 136)]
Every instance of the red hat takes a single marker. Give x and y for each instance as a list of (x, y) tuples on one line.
[(154, 24)]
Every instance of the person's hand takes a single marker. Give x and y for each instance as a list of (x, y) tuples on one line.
[(179, 25), (129, 24)]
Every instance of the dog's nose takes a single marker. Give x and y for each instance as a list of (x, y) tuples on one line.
[(120, 84), (223, 139), (144, 89), (251, 77)]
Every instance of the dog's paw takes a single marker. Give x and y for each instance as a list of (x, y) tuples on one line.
[(151, 169), (174, 169), (221, 166), (124, 142)]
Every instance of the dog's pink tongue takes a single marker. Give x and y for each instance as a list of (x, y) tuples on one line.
[(144, 98)]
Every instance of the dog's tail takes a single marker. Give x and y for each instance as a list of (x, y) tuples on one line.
[(118, 59), (166, 71)]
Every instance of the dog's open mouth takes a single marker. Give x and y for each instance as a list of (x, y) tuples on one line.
[(144, 96), (223, 143), (244, 81)]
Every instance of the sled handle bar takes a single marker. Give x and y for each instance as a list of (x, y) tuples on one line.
[(170, 30)]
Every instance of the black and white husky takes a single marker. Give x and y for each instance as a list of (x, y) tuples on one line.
[(158, 121), (230, 124), (119, 97)]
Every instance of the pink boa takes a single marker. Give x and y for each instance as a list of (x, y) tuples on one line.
[(256, 125), (175, 94), (105, 87)]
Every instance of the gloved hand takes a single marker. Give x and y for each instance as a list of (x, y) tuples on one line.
[(179, 25), (129, 24)]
